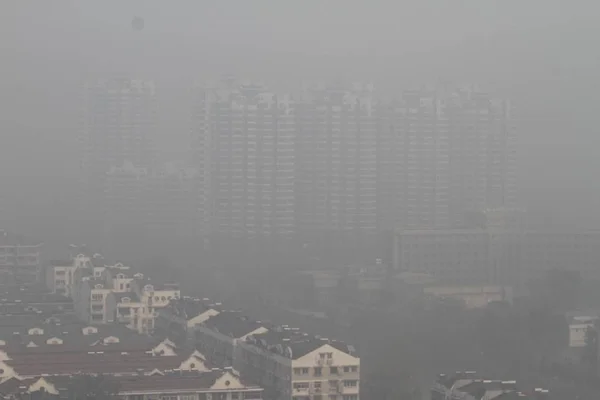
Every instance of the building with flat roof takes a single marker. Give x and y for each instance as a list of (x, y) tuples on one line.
[(20, 259)]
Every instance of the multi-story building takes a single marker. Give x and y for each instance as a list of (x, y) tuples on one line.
[(491, 256), (119, 122), (125, 210), (289, 364), (336, 162), (444, 152), (174, 221), (467, 386), (104, 294), (179, 319), (60, 274), (164, 384), (20, 259), (218, 336), (251, 136)]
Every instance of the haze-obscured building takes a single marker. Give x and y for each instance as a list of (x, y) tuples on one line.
[(20, 259)]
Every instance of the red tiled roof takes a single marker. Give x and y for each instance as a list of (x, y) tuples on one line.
[(191, 382), (109, 363)]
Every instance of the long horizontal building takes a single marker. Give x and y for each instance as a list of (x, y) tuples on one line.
[(495, 257), (214, 385), (288, 363), (467, 386)]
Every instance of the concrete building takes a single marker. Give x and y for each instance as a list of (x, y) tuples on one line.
[(292, 365), (289, 364), (119, 123), (251, 135), (444, 151), (178, 320), (495, 257), (126, 210), (336, 161), (20, 259), (468, 386), (163, 384), (105, 294), (471, 296), (218, 336), (174, 221)]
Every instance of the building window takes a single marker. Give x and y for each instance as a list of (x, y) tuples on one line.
[(351, 368), (333, 370), (301, 371), (163, 397), (97, 297), (301, 386), (351, 397), (318, 371), (350, 384), (191, 397)]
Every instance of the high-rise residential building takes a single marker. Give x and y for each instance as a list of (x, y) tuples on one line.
[(119, 121), (125, 210), (248, 135), (442, 153), (336, 163), (174, 223), (20, 259), (152, 212)]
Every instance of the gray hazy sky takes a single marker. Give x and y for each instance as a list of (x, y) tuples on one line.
[(542, 53)]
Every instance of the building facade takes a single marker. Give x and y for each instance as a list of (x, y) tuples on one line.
[(442, 152), (337, 133), (247, 135), (119, 123), (20, 259)]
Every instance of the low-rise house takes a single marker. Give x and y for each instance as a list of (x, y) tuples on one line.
[(53, 337), (172, 385), (97, 361)]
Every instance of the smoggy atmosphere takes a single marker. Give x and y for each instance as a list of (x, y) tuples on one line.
[(303, 200)]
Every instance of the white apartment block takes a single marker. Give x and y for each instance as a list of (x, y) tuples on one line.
[(289, 364), (293, 365), (104, 294)]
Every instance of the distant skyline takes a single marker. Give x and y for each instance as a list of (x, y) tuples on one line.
[(540, 54)]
